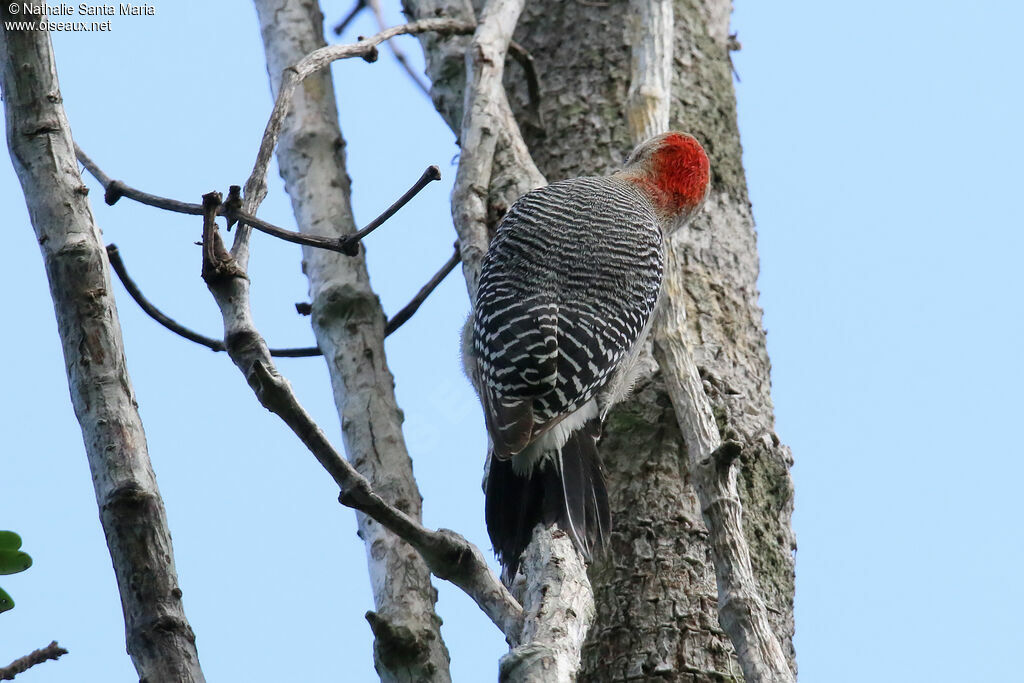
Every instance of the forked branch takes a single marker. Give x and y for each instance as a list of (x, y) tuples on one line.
[(117, 264), (348, 244), (448, 555), (256, 185), (393, 323)]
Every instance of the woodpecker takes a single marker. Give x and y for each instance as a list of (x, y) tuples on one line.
[(566, 295)]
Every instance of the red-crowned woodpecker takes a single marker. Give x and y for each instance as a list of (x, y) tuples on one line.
[(567, 293)]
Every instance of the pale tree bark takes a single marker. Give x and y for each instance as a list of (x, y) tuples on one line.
[(349, 325), (656, 594), (159, 638)]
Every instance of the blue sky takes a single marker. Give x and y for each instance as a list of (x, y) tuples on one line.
[(882, 145)]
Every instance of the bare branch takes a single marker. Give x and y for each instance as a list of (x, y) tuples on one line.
[(514, 172), (399, 55), (410, 308), (525, 60), (22, 664), (558, 604), (448, 555), (159, 638), (557, 621), (350, 243), (152, 311), (399, 319), (115, 189), (340, 27), (256, 185), (117, 264), (741, 610)]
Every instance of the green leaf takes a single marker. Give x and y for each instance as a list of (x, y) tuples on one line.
[(14, 561), (9, 540), (6, 602)]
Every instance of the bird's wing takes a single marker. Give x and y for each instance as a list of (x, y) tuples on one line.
[(565, 291)]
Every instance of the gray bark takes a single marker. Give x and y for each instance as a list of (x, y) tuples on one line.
[(711, 465), (159, 638), (349, 325), (656, 595)]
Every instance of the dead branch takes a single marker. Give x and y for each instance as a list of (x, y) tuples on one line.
[(396, 51), (399, 319), (525, 61), (448, 555), (348, 244), (649, 99), (256, 185), (410, 308), (340, 27), (23, 664), (486, 115), (117, 264), (558, 621)]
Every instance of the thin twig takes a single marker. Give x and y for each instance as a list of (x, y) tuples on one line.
[(117, 264), (115, 189), (399, 319), (22, 664), (340, 27), (403, 315), (348, 244), (399, 55), (256, 185)]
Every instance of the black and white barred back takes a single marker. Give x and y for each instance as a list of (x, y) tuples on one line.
[(566, 290)]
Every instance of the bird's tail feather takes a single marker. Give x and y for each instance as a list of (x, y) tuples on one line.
[(567, 490)]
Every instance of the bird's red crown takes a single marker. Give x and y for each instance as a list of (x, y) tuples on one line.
[(681, 169), (674, 170)]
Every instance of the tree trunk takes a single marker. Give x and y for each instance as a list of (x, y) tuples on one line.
[(349, 325), (159, 638), (656, 594)]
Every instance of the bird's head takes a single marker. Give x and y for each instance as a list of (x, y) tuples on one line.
[(673, 170)]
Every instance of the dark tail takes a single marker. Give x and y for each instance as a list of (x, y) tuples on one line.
[(567, 490)]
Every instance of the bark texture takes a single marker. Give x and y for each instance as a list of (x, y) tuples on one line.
[(349, 325), (656, 596), (159, 638)]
